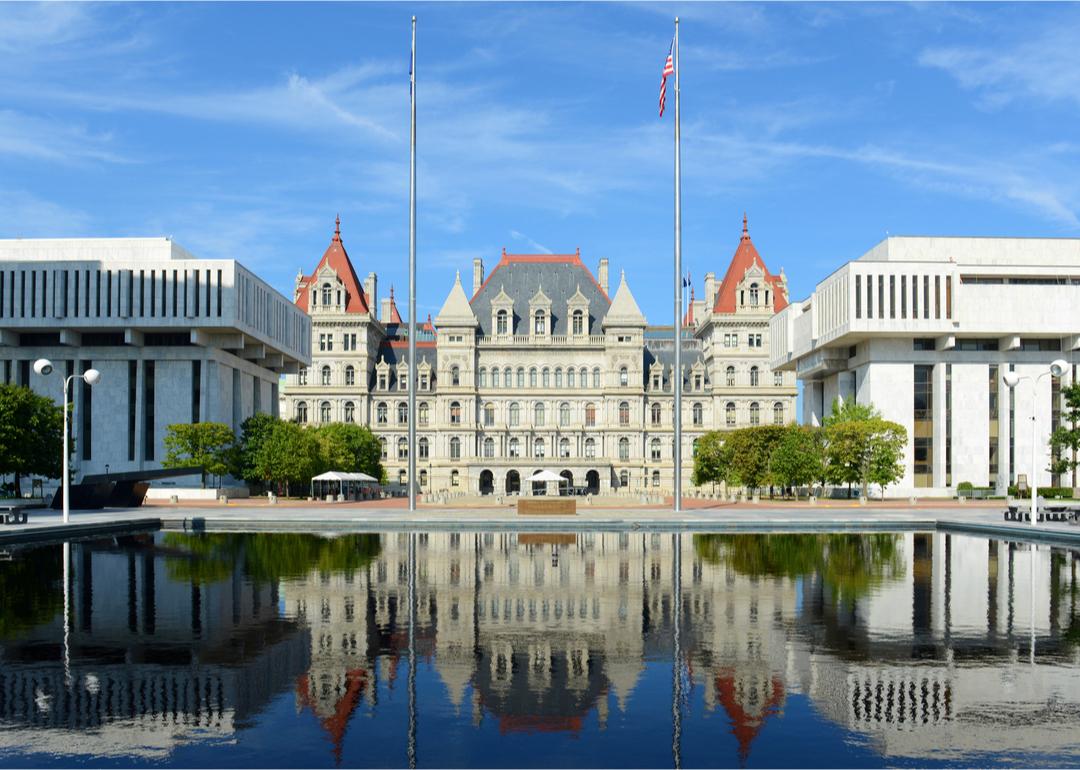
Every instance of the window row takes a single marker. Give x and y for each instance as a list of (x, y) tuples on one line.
[(537, 377), (755, 413), (730, 379), (542, 322)]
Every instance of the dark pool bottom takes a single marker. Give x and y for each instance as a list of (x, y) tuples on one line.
[(604, 649)]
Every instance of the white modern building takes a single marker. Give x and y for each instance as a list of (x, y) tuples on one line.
[(177, 340), (924, 329)]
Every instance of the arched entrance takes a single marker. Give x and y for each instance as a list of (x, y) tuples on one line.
[(592, 483), (513, 483), (539, 487), (568, 488), (487, 482)]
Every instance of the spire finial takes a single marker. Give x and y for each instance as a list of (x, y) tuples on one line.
[(337, 227), (745, 230), (391, 292)]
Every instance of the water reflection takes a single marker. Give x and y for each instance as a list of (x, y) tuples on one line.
[(883, 646)]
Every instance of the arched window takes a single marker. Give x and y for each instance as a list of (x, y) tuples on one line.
[(579, 322), (624, 413), (590, 415), (402, 477), (423, 478), (564, 414), (778, 413), (624, 478), (538, 414), (515, 414), (730, 374), (501, 326), (403, 448), (753, 294), (564, 447), (654, 413), (596, 377), (584, 380), (699, 414), (423, 448), (324, 411), (508, 378), (382, 448), (455, 478), (326, 294), (455, 413), (422, 414), (656, 478), (455, 376), (540, 323), (455, 448), (301, 377), (755, 413), (624, 448), (532, 377), (381, 413), (489, 414), (489, 447), (654, 449), (521, 378), (729, 414), (590, 447), (753, 376), (624, 377), (558, 377), (482, 379), (350, 375), (546, 378), (570, 379), (326, 375), (515, 448), (301, 411), (538, 447), (350, 412), (403, 413)]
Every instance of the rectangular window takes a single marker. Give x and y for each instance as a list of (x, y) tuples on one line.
[(33, 293), (142, 292), (207, 293), (937, 296), (108, 293), (195, 293), (903, 296), (915, 296), (858, 296), (133, 378), (130, 306), (926, 296), (923, 343), (948, 296), (923, 427), (995, 393), (196, 389), (869, 296), (219, 294), (892, 296), (148, 410), (153, 293), (86, 438), (881, 296)]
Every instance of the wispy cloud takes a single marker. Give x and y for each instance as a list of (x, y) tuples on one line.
[(26, 215), (539, 248), (35, 138)]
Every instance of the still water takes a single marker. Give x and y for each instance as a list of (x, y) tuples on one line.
[(622, 649)]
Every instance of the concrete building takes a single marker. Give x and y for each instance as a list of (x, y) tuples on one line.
[(177, 339), (540, 365), (924, 329)]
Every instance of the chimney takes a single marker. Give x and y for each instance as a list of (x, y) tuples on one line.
[(601, 275), (710, 291), (477, 274), (384, 309), (371, 289)]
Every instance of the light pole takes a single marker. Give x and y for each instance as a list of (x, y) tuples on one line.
[(1012, 379), (44, 367)]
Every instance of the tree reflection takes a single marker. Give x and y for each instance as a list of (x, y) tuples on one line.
[(30, 589), (850, 564), (212, 557)]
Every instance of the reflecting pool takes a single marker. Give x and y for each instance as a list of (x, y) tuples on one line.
[(505, 649)]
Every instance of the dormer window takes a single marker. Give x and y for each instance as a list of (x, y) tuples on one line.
[(383, 379), (326, 294), (579, 322), (540, 323), (753, 294), (501, 323)]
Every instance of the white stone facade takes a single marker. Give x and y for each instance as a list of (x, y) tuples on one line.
[(177, 339), (539, 368), (954, 314)]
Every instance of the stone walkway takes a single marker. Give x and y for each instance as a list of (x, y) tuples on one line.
[(985, 520)]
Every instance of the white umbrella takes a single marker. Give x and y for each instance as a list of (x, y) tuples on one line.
[(546, 476)]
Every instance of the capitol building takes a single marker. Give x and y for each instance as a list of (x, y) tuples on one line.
[(540, 364)]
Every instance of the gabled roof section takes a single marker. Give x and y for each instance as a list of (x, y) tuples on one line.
[(395, 316), (624, 309), (520, 276), (746, 256), (456, 311), (337, 259)]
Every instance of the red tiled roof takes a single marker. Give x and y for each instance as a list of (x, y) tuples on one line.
[(338, 260), (337, 723), (745, 257), (745, 726), (395, 316), (564, 259)]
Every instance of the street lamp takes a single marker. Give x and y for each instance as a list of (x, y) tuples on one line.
[(1012, 379), (44, 367)]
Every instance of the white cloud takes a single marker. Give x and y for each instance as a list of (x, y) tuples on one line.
[(539, 248), (35, 138), (25, 215)]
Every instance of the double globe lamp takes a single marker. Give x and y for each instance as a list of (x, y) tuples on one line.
[(44, 367)]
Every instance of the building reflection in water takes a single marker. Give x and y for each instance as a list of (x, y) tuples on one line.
[(914, 641)]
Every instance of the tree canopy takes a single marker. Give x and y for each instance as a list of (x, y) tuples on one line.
[(861, 447), (31, 434), (1065, 441), (350, 448), (206, 444)]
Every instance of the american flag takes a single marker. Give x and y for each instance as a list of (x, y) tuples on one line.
[(669, 68)]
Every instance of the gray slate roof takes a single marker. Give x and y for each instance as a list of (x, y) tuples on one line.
[(520, 277), (660, 346)]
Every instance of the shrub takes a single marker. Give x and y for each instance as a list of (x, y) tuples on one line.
[(1050, 493)]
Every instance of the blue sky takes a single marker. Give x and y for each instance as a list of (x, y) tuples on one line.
[(241, 130)]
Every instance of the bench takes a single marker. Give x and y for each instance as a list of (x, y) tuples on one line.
[(1064, 512), (12, 514)]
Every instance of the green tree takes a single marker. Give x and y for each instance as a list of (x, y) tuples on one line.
[(798, 458), (861, 447), (885, 463), (1065, 441), (31, 434), (751, 452), (253, 432), (350, 448), (206, 444), (287, 454), (712, 463)]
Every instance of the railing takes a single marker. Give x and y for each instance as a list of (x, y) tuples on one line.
[(540, 339)]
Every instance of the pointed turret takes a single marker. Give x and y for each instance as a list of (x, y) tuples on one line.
[(336, 259), (746, 258), (456, 311), (624, 310)]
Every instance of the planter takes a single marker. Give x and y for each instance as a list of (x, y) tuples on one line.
[(812, 500), (862, 500), (271, 498)]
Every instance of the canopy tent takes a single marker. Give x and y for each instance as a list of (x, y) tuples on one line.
[(348, 484), (545, 478)]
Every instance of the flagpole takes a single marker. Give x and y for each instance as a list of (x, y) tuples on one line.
[(677, 443), (412, 273)]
